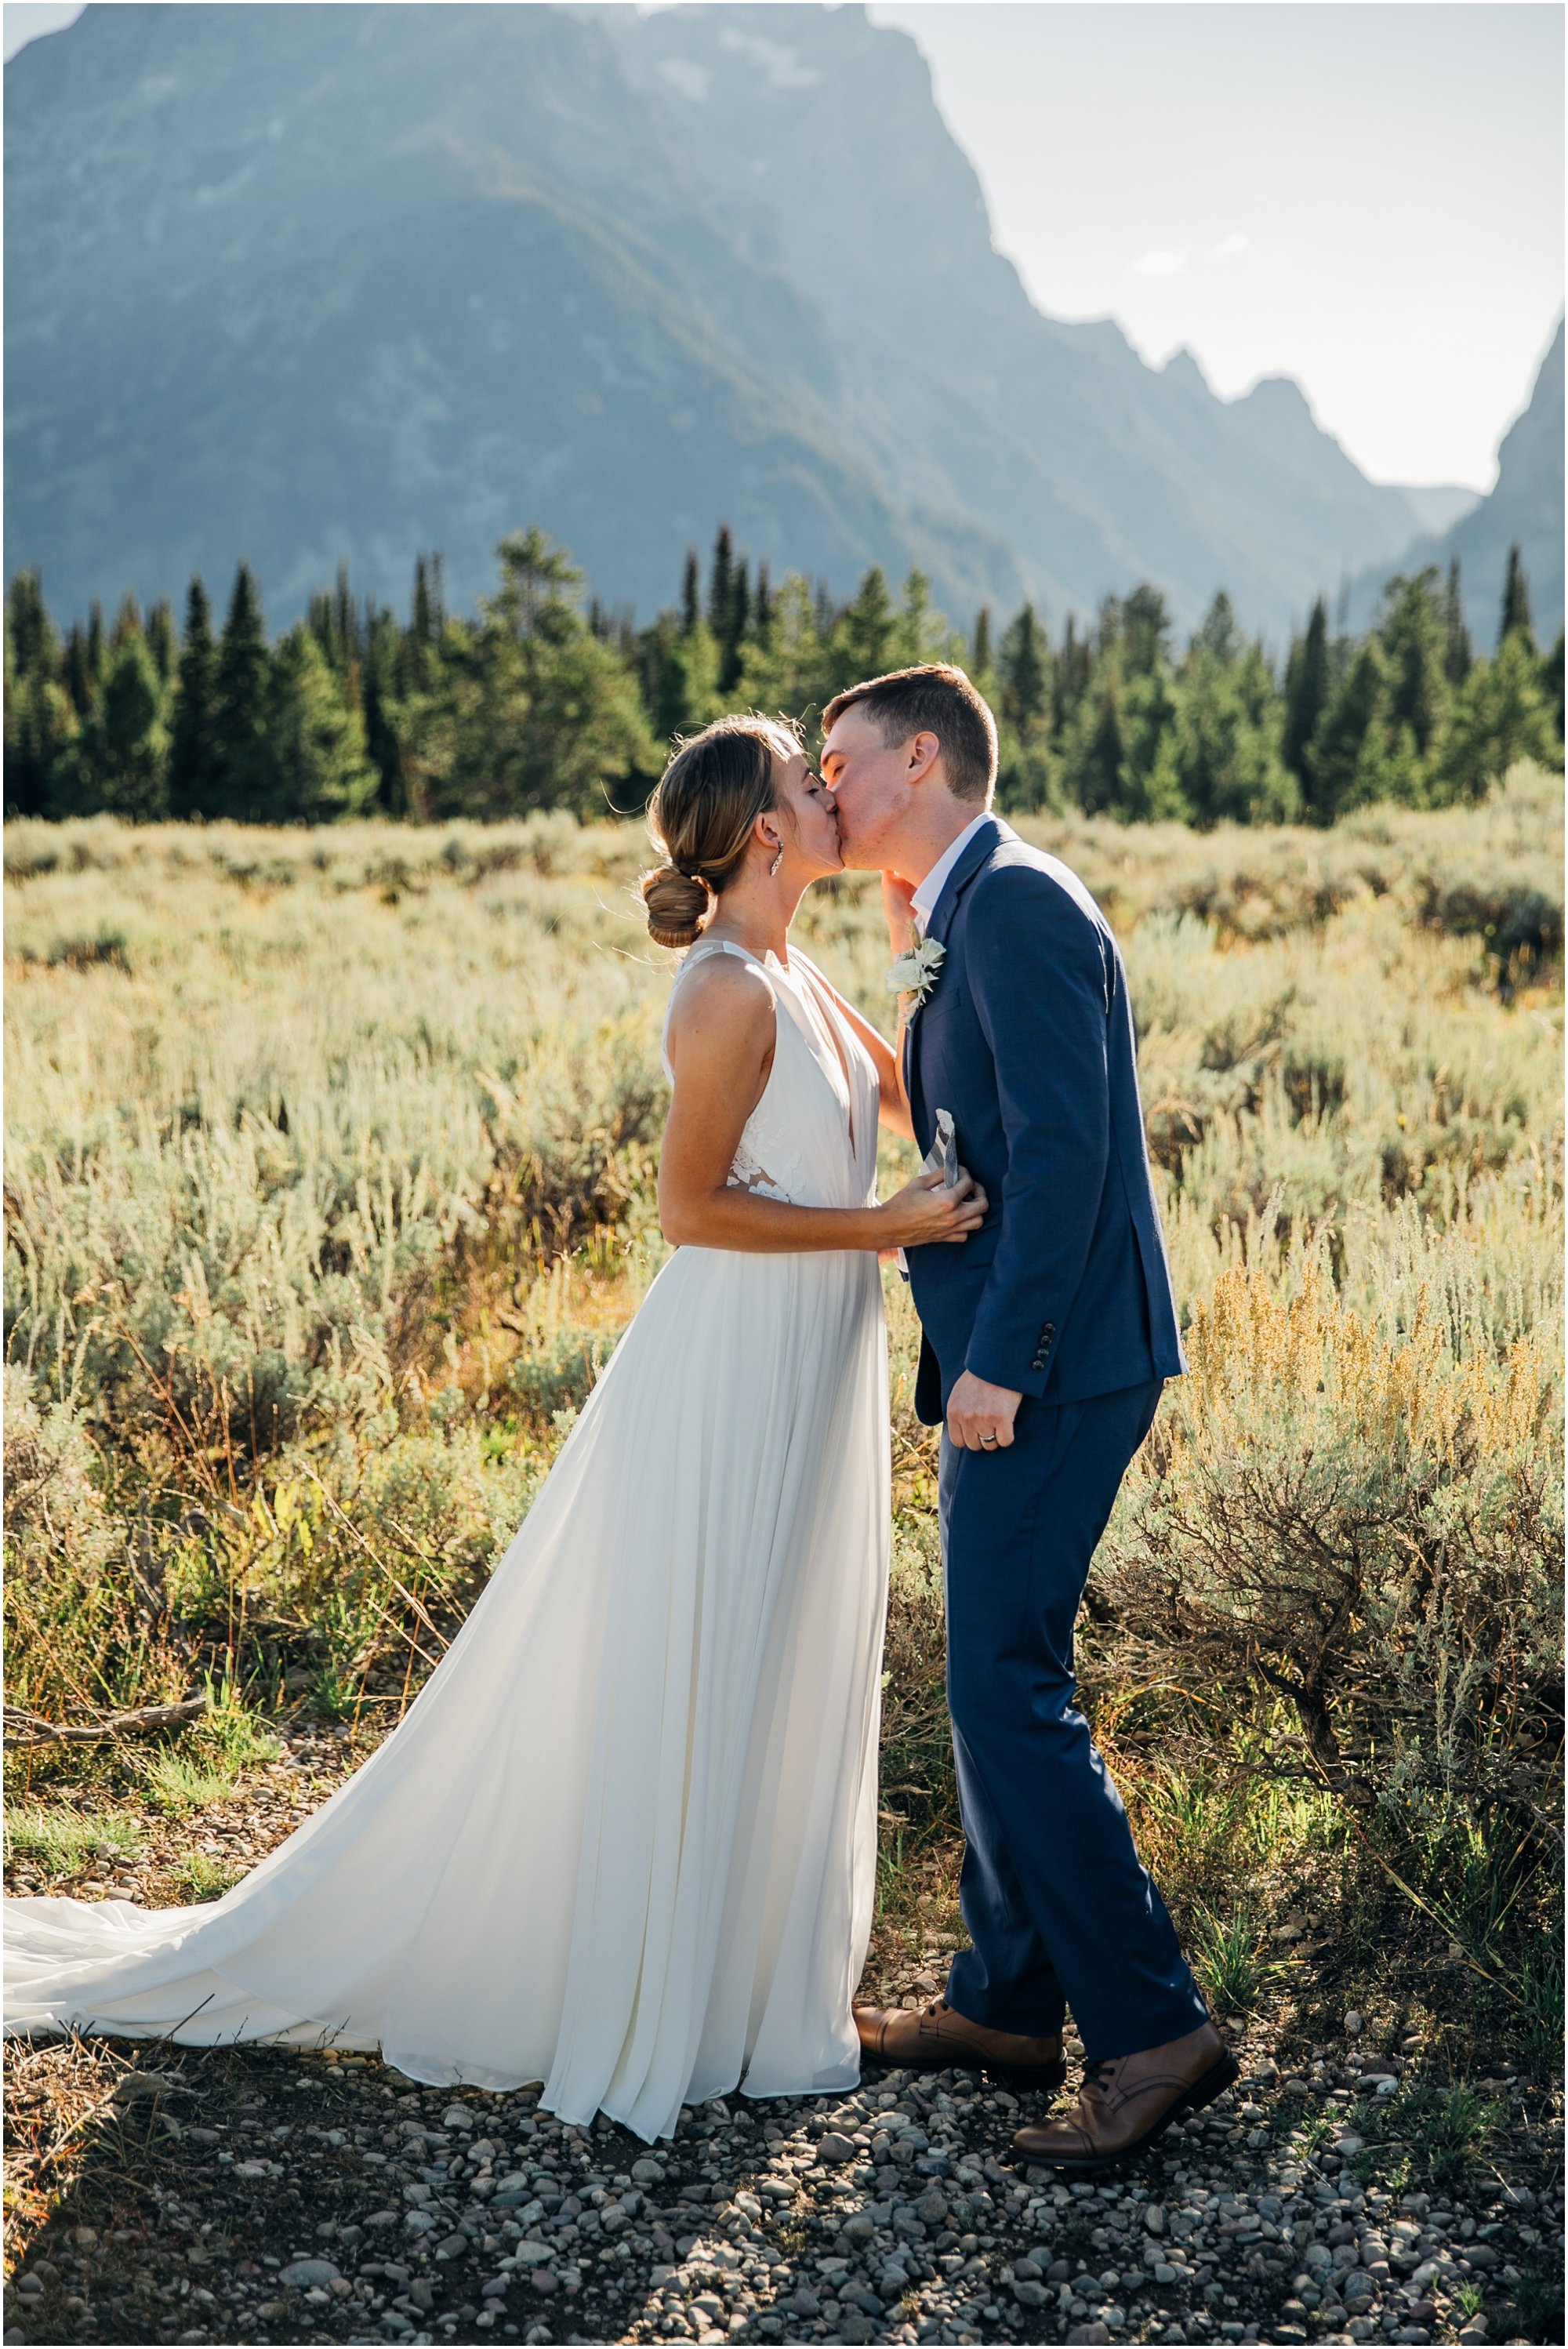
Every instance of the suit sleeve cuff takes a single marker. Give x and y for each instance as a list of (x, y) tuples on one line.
[(1018, 1379)]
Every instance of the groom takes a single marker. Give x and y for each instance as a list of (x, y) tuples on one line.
[(1047, 1338)]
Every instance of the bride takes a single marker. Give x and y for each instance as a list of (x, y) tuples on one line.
[(625, 1841)]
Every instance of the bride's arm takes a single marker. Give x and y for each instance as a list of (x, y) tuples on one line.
[(721, 1041)]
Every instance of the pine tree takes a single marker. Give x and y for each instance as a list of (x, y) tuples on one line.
[(39, 718), (127, 623), (417, 645), (133, 750), (1551, 688), (762, 607), (1500, 714), (317, 768), (1221, 760), (346, 626), (863, 639), (419, 625), (1348, 759), (31, 637), (1307, 689), (382, 743), (1070, 681), (1457, 653), (118, 762), (78, 672), (242, 779), (691, 593), (1219, 636), (1415, 639), (160, 640), (791, 669), (192, 769), (94, 650), (1516, 618), (1145, 629), (980, 657), (1023, 667), (721, 586), (321, 620), (738, 619), (1095, 751)]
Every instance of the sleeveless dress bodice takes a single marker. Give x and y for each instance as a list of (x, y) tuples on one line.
[(812, 1135)]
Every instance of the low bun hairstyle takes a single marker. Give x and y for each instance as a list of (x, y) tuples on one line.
[(708, 797), (676, 905)]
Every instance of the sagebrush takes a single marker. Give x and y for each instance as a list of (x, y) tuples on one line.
[(329, 1188)]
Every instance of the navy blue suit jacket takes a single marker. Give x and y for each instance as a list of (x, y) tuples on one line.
[(1027, 1038)]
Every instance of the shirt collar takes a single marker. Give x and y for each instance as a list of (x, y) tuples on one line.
[(923, 903)]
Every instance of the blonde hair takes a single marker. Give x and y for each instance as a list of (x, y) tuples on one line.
[(701, 814)]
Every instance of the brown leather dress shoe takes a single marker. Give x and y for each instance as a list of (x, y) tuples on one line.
[(1126, 2100), (941, 2039)]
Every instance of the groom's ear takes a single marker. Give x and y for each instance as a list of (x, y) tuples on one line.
[(921, 754)]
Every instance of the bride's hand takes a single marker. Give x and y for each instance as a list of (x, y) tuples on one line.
[(923, 1212), (897, 905)]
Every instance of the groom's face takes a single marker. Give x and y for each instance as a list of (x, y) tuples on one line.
[(870, 780)]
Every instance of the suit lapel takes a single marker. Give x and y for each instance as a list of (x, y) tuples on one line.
[(986, 839)]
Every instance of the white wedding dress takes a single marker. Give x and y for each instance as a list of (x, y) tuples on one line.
[(625, 1841)]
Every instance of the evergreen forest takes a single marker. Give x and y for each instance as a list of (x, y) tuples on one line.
[(544, 698)]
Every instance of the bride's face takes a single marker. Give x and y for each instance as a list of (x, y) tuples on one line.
[(809, 829)]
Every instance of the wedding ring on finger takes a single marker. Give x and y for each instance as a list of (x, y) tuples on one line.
[(989, 1442)]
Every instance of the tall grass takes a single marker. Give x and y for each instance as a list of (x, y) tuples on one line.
[(329, 1188)]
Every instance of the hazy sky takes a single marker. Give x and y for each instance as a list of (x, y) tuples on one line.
[(1366, 197)]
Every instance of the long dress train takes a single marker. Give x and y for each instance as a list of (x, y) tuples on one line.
[(624, 1840)]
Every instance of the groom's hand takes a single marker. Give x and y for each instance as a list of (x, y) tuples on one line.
[(980, 1417)]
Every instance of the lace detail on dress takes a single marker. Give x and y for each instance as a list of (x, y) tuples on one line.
[(748, 1173)]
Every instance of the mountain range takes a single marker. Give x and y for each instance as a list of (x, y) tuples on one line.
[(1525, 509), (346, 282)]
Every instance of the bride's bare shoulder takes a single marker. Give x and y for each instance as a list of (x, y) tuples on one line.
[(725, 998)]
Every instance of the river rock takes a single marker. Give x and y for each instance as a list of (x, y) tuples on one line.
[(303, 2273)]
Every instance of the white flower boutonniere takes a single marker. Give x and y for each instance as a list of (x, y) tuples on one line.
[(915, 973)]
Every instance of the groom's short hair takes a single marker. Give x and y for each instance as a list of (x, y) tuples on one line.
[(934, 699)]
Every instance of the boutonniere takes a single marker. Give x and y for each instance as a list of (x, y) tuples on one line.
[(916, 972)]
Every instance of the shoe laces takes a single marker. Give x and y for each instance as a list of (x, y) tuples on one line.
[(1097, 2075)]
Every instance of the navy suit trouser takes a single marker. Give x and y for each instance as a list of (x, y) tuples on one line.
[(1060, 1908)]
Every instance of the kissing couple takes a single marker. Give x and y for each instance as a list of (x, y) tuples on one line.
[(625, 1841)]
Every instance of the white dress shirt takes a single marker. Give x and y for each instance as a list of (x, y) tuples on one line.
[(923, 903)]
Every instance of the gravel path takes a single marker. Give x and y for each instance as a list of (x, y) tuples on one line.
[(253, 2196), (250, 2195)]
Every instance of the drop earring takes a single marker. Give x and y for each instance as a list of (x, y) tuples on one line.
[(778, 861)]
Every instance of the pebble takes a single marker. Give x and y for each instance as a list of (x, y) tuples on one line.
[(303, 2274)]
